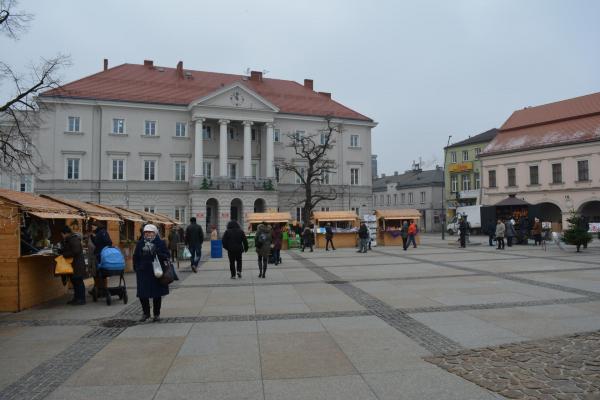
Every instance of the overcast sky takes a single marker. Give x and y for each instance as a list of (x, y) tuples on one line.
[(422, 69)]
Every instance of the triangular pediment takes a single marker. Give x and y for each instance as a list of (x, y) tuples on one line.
[(236, 96)]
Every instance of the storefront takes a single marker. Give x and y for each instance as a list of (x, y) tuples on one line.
[(270, 218), (344, 225), (389, 225)]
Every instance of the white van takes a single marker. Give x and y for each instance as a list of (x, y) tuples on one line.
[(473, 214)]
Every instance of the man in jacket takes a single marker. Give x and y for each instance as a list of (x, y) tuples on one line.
[(262, 242), (412, 233), (307, 238), (72, 249), (363, 236), (462, 228), (194, 237), (500, 232), (537, 231), (235, 242), (328, 237), (491, 231), (173, 242), (510, 232)]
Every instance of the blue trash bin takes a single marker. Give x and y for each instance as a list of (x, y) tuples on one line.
[(216, 249)]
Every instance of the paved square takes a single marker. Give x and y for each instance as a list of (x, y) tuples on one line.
[(330, 325)]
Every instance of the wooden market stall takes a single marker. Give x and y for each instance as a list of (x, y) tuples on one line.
[(162, 222), (271, 218), (389, 224), (29, 226), (344, 225)]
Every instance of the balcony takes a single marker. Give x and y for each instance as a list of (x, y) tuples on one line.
[(225, 183), (469, 194)]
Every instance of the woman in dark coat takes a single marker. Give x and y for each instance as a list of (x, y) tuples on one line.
[(262, 242), (72, 249), (236, 243), (148, 286), (277, 239)]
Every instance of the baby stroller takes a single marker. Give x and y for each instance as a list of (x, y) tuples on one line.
[(112, 263)]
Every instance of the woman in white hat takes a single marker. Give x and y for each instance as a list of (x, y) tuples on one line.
[(148, 286)]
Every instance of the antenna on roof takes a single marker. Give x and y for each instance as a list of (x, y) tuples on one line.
[(247, 71), (264, 72)]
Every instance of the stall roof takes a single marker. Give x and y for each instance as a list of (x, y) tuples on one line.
[(150, 217), (121, 212), (403, 213), (334, 216), (90, 209), (269, 217), (512, 200), (166, 217), (39, 206)]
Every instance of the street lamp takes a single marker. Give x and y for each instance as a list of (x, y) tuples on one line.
[(444, 193)]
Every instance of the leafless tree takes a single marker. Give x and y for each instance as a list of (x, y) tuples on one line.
[(19, 112), (311, 166)]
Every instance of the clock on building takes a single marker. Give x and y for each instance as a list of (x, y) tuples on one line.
[(236, 98)]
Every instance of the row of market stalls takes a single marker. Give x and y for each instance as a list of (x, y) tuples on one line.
[(30, 227)]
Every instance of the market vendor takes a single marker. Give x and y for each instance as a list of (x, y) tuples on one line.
[(71, 248)]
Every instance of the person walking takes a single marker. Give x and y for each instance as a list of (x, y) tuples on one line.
[(277, 239), (307, 238), (500, 232), (328, 237), (412, 233), (71, 248), (236, 243), (262, 242), (298, 231), (148, 286), (510, 232), (537, 232), (491, 232), (101, 239), (404, 235), (363, 237), (462, 228), (173, 243), (194, 237)]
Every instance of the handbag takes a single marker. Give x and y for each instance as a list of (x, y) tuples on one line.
[(168, 273), (158, 271), (63, 266)]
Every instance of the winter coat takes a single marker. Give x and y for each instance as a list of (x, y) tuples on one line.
[(263, 249), (537, 228), (277, 237), (363, 232), (101, 240), (173, 239), (307, 236), (412, 229), (234, 239), (462, 227), (404, 230), (500, 230), (194, 235), (328, 232), (72, 249), (490, 228), (143, 256), (510, 230)]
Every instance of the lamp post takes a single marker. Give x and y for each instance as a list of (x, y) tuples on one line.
[(444, 193)]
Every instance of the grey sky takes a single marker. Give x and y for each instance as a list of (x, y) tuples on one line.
[(422, 69)]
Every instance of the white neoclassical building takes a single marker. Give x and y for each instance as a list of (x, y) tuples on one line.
[(192, 143)]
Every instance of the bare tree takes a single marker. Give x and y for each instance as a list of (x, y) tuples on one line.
[(19, 115), (311, 166)]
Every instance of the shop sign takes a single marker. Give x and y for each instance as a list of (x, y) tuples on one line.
[(594, 227), (461, 167)]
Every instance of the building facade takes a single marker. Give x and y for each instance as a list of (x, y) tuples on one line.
[(417, 189), (548, 155), (463, 171), (191, 143)]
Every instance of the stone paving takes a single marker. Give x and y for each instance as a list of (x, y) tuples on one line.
[(433, 322)]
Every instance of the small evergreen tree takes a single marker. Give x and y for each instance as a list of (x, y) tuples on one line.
[(577, 234), (205, 184)]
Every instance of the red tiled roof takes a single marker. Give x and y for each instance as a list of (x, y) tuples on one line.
[(565, 122), (144, 84)]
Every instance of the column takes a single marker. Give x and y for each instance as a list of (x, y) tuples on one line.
[(223, 147), (270, 173), (199, 149), (247, 149)]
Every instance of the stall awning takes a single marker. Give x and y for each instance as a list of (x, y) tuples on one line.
[(50, 215), (275, 217), (90, 210), (104, 218), (335, 216), (403, 213), (123, 213)]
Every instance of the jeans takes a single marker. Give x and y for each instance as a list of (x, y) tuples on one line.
[(196, 252), (491, 239), (276, 256), (364, 243), (500, 241), (156, 303), (174, 254), (327, 242), (78, 288), (463, 240), (262, 264), (233, 259), (509, 241), (409, 240), (307, 243)]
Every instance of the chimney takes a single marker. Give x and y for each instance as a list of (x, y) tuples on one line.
[(308, 83), (256, 76), (395, 173), (326, 94), (105, 64), (383, 175), (148, 63), (180, 70)]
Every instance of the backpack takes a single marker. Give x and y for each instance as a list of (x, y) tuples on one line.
[(261, 239), (111, 258)]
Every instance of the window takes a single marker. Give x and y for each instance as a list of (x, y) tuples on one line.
[(73, 124), (511, 174), (231, 133), (323, 139), (534, 175), (453, 157), (254, 170), (26, 146), (465, 155), (180, 171), (354, 176), (303, 173), (395, 198), (324, 208), (477, 151), (325, 178), (492, 179), (118, 126), (298, 135), (403, 198), (583, 171), (207, 169), (410, 198), (150, 128), (477, 181), (25, 184), (180, 129), (453, 184), (73, 168), (557, 173), (118, 170), (374, 200), (149, 170), (422, 197), (277, 174), (253, 134), (180, 213), (381, 199), (354, 141), (149, 209), (206, 133), (389, 199), (232, 170), (276, 135), (466, 182)]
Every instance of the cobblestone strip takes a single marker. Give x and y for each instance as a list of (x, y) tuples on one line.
[(566, 367), (417, 331), (265, 317), (47, 322)]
